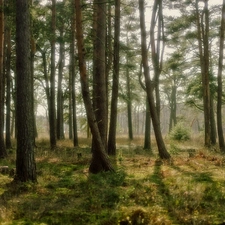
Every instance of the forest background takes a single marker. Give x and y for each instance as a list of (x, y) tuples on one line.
[(106, 70)]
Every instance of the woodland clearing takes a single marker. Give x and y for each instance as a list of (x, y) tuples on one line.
[(188, 189)]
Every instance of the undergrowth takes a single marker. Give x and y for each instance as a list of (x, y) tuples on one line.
[(189, 189)]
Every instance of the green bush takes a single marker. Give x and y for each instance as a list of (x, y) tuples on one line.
[(180, 133)]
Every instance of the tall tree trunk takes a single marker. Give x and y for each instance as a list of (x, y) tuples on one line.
[(115, 87), (3, 152), (109, 51), (129, 103), (25, 162), (32, 54), (203, 31), (157, 49), (219, 82), (73, 106), (52, 113), (8, 89), (60, 120), (149, 88), (99, 76), (100, 161)]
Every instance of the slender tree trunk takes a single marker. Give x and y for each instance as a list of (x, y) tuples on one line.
[(32, 54), (52, 113), (212, 122), (8, 89), (173, 107), (25, 162), (45, 71), (219, 82), (108, 55), (115, 88), (147, 142), (3, 152), (149, 89), (129, 104), (60, 120), (157, 49), (73, 106), (100, 161), (203, 31)]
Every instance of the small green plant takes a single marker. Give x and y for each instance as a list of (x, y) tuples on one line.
[(180, 133)]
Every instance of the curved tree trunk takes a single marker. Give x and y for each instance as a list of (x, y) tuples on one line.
[(156, 48), (149, 88), (100, 161)]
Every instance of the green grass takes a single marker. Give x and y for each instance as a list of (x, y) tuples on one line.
[(143, 190)]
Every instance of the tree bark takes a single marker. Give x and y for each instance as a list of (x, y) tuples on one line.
[(115, 87), (129, 103), (149, 89), (25, 162), (3, 152), (60, 120), (157, 49), (99, 77), (73, 109), (52, 113), (203, 31), (100, 161), (147, 142), (8, 89), (173, 106), (220, 84)]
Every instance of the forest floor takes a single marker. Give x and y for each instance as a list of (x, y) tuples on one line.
[(188, 189)]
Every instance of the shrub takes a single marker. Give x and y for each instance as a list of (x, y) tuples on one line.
[(180, 133)]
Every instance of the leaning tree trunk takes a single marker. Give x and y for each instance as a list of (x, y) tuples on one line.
[(149, 88), (220, 84), (100, 161)]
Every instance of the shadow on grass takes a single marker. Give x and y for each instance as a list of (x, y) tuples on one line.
[(65, 194), (164, 192)]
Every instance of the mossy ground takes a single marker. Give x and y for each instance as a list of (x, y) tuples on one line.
[(188, 189)]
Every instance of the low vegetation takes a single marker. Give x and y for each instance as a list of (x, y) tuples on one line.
[(188, 189)]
